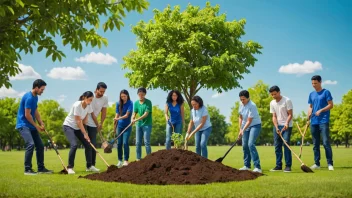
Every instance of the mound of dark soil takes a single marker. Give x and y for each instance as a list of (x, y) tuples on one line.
[(173, 167)]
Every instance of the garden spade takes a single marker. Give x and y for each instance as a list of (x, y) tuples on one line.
[(64, 171)]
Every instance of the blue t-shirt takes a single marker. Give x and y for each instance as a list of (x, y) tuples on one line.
[(28, 101), (319, 100), (196, 116), (175, 113), (127, 107), (249, 111)]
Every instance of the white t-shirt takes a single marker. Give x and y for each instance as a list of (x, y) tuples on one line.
[(77, 110), (281, 109), (97, 104)]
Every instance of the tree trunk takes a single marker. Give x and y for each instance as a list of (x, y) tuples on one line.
[(347, 139)]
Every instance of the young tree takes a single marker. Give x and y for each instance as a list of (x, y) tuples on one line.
[(28, 24), (190, 50)]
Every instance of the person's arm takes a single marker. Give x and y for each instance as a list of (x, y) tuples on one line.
[(37, 117), (309, 113), (27, 114), (125, 116), (274, 119), (202, 123), (95, 119), (85, 120), (166, 112), (327, 108), (81, 127), (248, 123), (146, 113), (190, 125), (289, 118)]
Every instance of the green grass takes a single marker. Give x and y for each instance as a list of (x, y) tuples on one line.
[(322, 183)]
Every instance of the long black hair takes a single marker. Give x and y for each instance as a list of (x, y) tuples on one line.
[(124, 91), (179, 100), (86, 94)]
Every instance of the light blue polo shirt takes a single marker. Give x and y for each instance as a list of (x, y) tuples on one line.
[(196, 116), (249, 111)]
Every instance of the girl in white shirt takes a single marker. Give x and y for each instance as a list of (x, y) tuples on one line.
[(73, 127)]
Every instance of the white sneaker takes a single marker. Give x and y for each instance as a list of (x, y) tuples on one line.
[(257, 170), (119, 164), (125, 163), (92, 169), (70, 171), (244, 168), (314, 167), (331, 167)]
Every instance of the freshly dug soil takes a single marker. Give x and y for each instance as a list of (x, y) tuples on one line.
[(173, 167)]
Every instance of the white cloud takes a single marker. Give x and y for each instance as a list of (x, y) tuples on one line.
[(67, 73), (307, 67), (61, 98), (98, 58), (27, 73), (4, 92), (217, 95), (330, 82)]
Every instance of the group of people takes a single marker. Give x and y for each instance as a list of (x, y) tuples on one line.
[(82, 124)]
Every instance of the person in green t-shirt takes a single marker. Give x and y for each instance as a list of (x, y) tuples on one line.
[(142, 107)]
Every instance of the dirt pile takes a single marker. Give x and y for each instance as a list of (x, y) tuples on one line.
[(173, 167)]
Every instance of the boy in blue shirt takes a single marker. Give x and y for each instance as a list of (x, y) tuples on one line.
[(320, 103), (26, 124)]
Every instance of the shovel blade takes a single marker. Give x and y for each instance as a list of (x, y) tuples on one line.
[(64, 171), (306, 169), (220, 159)]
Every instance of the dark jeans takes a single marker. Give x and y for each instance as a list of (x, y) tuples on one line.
[(278, 143), (321, 130), (71, 135), (32, 139), (123, 140), (92, 133)]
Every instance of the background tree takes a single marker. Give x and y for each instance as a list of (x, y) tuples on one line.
[(190, 50), (342, 119), (53, 116), (28, 24), (8, 115), (219, 126), (233, 128)]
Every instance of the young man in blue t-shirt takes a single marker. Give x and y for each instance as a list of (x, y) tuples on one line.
[(320, 103), (27, 116)]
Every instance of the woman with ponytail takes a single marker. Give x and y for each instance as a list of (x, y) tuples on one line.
[(73, 128)]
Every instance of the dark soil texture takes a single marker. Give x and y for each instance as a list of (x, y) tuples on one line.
[(173, 166)]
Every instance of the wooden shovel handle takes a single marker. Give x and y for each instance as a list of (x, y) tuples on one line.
[(290, 148), (99, 154)]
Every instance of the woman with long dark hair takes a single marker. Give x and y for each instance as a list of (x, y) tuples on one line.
[(73, 128), (124, 109), (174, 115)]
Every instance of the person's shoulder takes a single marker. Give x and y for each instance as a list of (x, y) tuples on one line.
[(130, 102), (148, 101), (77, 103), (272, 102), (252, 103), (326, 91), (287, 99)]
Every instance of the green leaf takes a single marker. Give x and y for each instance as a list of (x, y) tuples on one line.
[(11, 10), (40, 48), (20, 3)]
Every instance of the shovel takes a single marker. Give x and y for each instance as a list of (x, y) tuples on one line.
[(303, 134), (223, 157), (111, 143), (64, 171), (303, 166)]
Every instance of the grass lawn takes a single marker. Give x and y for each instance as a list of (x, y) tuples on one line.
[(322, 183)]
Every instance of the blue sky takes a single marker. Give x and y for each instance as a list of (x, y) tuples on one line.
[(306, 37)]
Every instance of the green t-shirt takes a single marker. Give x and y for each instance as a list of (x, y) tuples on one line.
[(141, 109)]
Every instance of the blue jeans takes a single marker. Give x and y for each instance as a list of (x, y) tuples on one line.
[(143, 131), (32, 139), (123, 140), (248, 143), (201, 138), (278, 143), (323, 131), (178, 129)]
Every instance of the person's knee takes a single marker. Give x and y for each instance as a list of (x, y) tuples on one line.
[(30, 146), (74, 146), (251, 145)]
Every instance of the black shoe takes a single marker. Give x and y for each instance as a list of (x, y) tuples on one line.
[(45, 171), (276, 169), (30, 172), (287, 169)]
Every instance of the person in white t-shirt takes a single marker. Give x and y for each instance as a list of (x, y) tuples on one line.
[(74, 128), (281, 108), (99, 104)]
